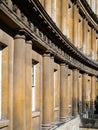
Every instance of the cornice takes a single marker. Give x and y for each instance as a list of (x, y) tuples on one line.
[(64, 49)]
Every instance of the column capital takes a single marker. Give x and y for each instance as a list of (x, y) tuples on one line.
[(63, 63), (18, 36), (49, 53), (29, 42), (75, 69)]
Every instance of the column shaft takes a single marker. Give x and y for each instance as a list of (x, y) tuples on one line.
[(19, 120), (93, 41), (53, 11), (63, 92), (48, 92), (64, 16), (58, 13), (84, 85), (97, 7), (28, 82), (47, 4), (75, 26), (89, 42), (70, 22), (85, 29), (70, 82), (80, 33), (80, 94), (75, 91), (97, 47), (93, 90), (52, 88)]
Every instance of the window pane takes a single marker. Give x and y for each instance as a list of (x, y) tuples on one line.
[(33, 99), (33, 87), (55, 89), (0, 79)]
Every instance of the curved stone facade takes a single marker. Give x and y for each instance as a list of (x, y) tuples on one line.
[(49, 63)]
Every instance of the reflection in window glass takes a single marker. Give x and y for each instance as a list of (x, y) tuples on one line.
[(33, 87)]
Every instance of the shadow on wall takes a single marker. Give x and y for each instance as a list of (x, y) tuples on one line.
[(96, 105)]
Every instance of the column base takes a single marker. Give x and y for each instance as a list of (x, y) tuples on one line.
[(70, 111), (75, 114), (46, 126), (64, 119)]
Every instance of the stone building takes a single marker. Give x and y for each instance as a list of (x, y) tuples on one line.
[(48, 63)]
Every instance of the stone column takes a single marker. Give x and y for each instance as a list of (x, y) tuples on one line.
[(19, 119), (93, 41), (97, 47), (28, 83), (97, 7), (58, 13), (75, 92), (52, 88), (84, 85), (80, 33), (93, 5), (88, 2), (75, 25), (64, 16), (96, 86), (47, 117), (94, 46), (56, 87), (89, 42), (53, 10), (47, 4), (70, 83), (85, 29), (63, 92), (88, 91), (70, 22), (80, 94), (93, 91), (42, 2)]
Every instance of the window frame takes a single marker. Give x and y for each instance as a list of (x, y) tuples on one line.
[(33, 87), (0, 82)]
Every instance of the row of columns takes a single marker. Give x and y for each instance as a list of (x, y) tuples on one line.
[(77, 29), (73, 96), (22, 85)]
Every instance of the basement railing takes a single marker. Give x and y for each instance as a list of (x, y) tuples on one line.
[(89, 120)]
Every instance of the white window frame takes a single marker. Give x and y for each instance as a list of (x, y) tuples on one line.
[(0, 81), (33, 87), (55, 92)]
